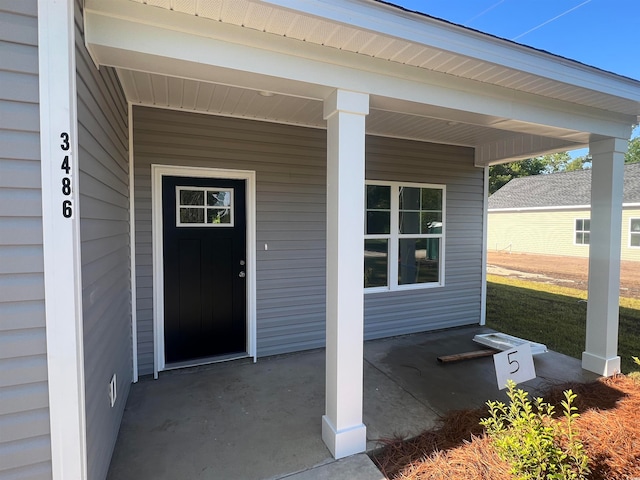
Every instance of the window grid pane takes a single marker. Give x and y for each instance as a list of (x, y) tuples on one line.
[(192, 211), (408, 229), (418, 261), (420, 211), (376, 257), (634, 232), (378, 210), (583, 227)]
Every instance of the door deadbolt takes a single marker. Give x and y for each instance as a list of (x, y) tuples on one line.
[(241, 262)]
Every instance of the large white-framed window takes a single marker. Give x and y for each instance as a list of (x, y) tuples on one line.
[(634, 232), (404, 236), (582, 231)]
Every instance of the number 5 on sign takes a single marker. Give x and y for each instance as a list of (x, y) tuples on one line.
[(515, 364)]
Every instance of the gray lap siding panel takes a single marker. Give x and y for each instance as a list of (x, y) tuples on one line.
[(458, 301), (104, 231), (290, 199), (25, 446), (290, 165)]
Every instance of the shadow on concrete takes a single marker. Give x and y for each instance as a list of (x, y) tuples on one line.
[(255, 421)]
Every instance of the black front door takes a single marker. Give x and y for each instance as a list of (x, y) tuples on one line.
[(204, 234)]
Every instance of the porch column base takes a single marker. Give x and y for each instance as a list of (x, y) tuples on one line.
[(346, 442), (602, 366)]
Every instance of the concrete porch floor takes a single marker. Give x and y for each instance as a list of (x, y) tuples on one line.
[(240, 420)]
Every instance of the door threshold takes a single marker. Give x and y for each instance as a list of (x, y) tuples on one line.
[(206, 361)]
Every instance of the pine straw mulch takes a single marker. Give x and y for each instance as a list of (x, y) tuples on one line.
[(609, 426)]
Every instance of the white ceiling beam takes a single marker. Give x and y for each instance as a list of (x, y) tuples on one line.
[(520, 147)]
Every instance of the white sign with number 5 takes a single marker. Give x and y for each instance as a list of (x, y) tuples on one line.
[(515, 364)]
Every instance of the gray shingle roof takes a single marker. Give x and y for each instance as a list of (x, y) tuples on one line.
[(563, 189)]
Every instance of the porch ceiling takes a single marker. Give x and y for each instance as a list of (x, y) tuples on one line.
[(429, 52), (386, 118)]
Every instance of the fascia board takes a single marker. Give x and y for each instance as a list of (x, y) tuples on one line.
[(567, 207), (138, 31), (539, 209), (393, 21), (520, 147)]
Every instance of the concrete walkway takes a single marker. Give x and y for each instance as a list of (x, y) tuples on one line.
[(240, 420)]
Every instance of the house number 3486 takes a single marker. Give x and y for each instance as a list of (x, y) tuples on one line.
[(67, 203)]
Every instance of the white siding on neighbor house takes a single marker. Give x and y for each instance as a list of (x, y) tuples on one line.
[(458, 301), (290, 165), (104, 231), (549, 232), (25, 449)]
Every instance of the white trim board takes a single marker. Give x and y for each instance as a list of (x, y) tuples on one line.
[(485, 239), (558, 207), (61, 238), (157, 172), (132, 251)]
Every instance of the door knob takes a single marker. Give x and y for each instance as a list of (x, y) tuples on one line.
[(241, 274)]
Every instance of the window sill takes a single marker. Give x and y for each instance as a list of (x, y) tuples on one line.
[(403, 288)]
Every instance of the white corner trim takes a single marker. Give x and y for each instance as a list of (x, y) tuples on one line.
[(485, 239), (157, 172), (61, 238), (132, 250)]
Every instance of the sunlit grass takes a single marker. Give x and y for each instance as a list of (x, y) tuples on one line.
[(555, 316)]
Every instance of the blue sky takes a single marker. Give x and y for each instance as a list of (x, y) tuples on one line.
[(600, 33)]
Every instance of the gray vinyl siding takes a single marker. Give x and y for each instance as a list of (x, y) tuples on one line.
[(290, 166), (458, 301), (290, 174), (25, 447), (104, 229)]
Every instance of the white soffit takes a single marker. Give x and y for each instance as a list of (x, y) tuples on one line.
[(424, 123), (390, 33), (217, 99)]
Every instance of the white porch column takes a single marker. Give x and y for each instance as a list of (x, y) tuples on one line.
[(601, 354), (342, 427)]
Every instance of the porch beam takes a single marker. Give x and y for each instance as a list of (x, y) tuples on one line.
[(600, 355), (519, 147), (128, 35), (342, 427)]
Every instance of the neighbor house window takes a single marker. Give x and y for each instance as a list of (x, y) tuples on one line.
[(634, 232), (583, 227), (404, 235)]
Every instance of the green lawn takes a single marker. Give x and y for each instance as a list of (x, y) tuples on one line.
[(555, 316)]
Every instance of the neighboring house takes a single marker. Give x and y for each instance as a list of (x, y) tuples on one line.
[(207, 160), (551, 215)]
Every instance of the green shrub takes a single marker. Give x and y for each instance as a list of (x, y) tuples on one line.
[(635, 376), (535, 445)]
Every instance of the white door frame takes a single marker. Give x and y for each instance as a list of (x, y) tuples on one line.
[(159, 171)]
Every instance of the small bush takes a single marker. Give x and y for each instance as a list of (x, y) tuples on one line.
[(536, 446), (635, 376)]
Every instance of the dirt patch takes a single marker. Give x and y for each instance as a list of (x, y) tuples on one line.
[(558, 270), (609, 426)]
